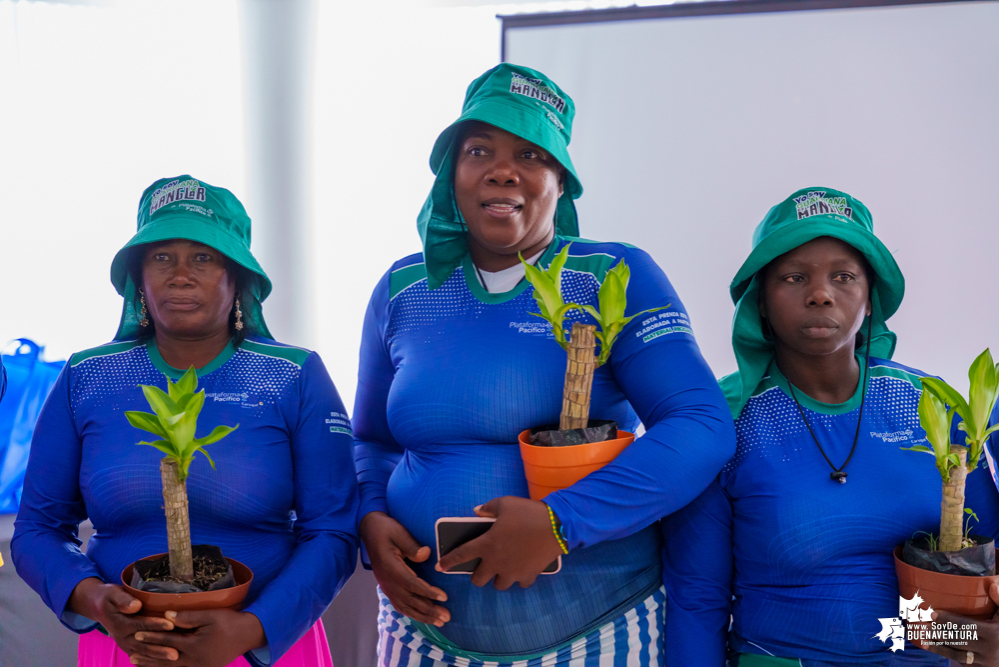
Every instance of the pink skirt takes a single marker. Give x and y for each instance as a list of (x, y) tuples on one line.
[(312, 650)]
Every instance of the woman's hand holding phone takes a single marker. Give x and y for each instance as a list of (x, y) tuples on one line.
[(516, 549), (389, 545)]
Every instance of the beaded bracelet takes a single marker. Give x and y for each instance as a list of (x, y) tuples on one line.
[(557, 529)]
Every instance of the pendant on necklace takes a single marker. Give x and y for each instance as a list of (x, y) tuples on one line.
[(839, 476)]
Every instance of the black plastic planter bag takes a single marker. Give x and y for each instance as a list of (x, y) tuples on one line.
[(977, 561), (156, 567), (597, 430)]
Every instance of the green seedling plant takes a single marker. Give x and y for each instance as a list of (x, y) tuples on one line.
[(938, 406), (175, 421), (612, 300), (967, 541), (931, 539), (547, 285)]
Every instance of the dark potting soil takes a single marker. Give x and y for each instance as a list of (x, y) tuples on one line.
[(974, 561), (597, 430), (210, 569)]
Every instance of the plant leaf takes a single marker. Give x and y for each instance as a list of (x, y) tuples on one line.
[(559, 316), (612, 295), (594, 313), (184, 432), (161, 403), (982, 394), (933, 419), (202, 450), (184, 467), (164, 446), (555, 268), (173, 391), (649, 310), (918, 448), (188, 383), (146, 422), (217, 434), (946, 393), (610, 336)]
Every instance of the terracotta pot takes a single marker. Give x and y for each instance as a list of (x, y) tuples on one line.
[(154, 604), (967, 596), (550, 469)]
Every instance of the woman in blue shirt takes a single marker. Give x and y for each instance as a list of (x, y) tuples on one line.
[(282, 500), (793, 542), (454, 366)]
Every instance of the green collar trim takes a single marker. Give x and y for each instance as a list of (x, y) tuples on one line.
[(102, 351), (293, 355), (775, 378), (176, 373), (402, 279), (480, 293), (897, 374)]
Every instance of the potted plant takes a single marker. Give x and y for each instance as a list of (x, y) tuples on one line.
[(186, 577), (953, 571), (556, 457)]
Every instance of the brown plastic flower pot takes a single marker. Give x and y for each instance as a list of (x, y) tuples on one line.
[(966, 596), (155, 604), (550, 469)]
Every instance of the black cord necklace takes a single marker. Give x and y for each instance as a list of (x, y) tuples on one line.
[(838, 474), (481, 279)]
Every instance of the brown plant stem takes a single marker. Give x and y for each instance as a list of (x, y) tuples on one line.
[(952, 505), (178, 522), (578, 377)]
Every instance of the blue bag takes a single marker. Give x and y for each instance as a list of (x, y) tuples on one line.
[(29, 380)]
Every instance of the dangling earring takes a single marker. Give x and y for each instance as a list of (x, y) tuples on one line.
[(239, 316), (144, 314)]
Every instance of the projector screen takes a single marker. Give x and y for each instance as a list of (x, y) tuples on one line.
[(689, 128)]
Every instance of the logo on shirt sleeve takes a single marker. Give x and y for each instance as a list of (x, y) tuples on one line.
[(662, 324), (339, 423)]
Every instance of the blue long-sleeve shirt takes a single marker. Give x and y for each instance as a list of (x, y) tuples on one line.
[(283, 499), (449, 377), (808, 560)]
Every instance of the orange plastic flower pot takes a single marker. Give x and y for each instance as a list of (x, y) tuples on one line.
[(155, 604), (967, 596), (550, 469)]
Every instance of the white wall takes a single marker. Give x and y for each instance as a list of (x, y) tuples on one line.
[(96, 103), (389, 77), (689, 129)]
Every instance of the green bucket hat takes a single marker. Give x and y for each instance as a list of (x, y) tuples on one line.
[(806, 215), (186, 208), (523, 102)]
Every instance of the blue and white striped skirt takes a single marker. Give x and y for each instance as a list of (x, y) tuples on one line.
[(634, 639)]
